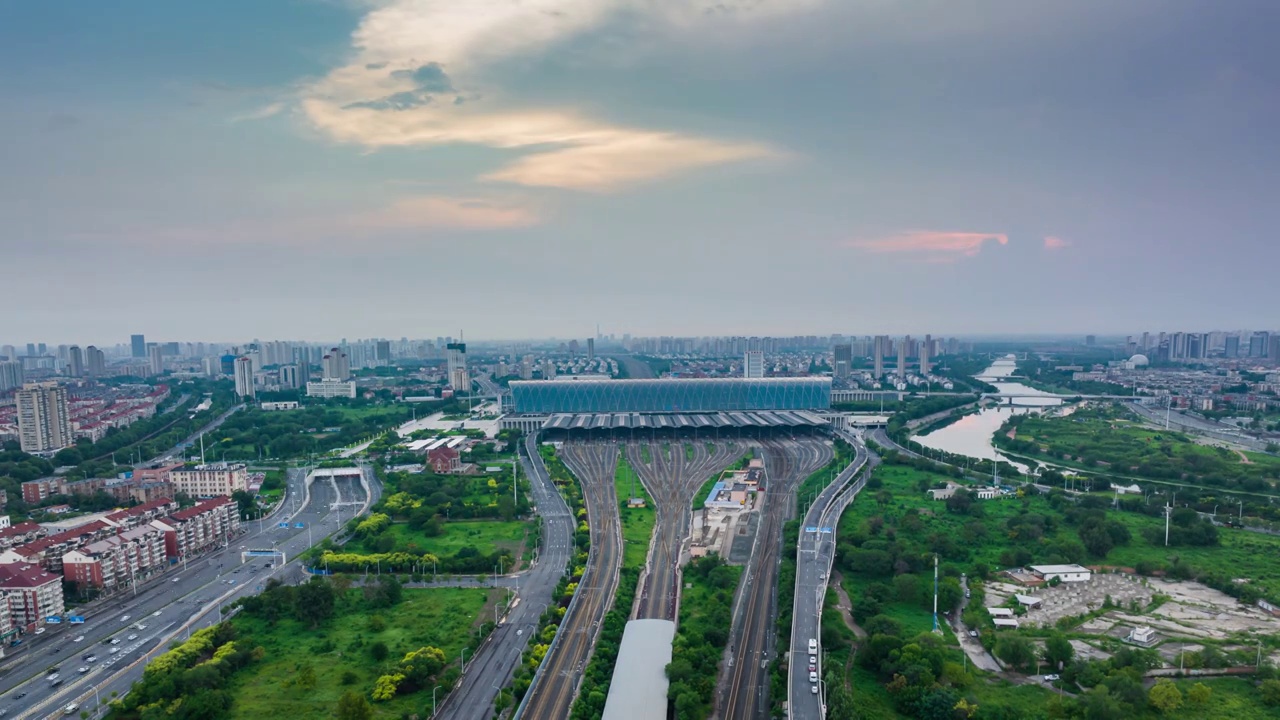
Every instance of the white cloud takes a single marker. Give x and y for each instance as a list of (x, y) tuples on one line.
[(261, 113), (378, 99)]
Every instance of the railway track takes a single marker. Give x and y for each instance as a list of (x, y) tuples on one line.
[(556, 685), (745, 684), (672, 478)]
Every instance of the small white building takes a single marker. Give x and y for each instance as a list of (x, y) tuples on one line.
[(1065, 573), (1000, 612), (1028, 601), (282, 405), (1006, 622), (1141, 636), (988, 493), (329, 388)]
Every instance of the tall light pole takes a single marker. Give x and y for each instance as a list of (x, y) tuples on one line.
[(433, 700)]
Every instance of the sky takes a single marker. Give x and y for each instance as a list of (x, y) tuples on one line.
[(313, 169)]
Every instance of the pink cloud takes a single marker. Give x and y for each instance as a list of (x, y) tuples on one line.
[(1053, 242), (941, 246)]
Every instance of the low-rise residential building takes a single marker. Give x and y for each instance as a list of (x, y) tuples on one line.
[(211, 479), (23, 532), (117, 561), (48, 550), (33, 594), (34, 491), (200, 527), (281, 405)]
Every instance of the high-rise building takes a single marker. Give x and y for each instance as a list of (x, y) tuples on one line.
[(75, 361), (139, 344), (1090, 340), (156, 355), (95, 362), (926, 352), (902, 356), (335, 365), (44, 424), (878, 353), (11, 374), (1259, 343), (289, 377), (842, 360), (591, 348), (1231, 346), (753, 364), (382, 352), (459, 378), (244, 378), (227, 365), (1273, 351)]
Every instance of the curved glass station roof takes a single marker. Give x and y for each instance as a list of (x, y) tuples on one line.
[(671, 395)]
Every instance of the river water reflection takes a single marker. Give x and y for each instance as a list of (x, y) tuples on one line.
[(971, 435)]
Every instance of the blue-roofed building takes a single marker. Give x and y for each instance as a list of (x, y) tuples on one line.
[(671, 395)]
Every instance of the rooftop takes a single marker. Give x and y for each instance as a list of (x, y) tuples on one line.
[(639, 687)]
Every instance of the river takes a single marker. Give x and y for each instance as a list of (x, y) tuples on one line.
[(972, 434)]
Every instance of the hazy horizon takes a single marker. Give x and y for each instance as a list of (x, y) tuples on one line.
[(329, 168)]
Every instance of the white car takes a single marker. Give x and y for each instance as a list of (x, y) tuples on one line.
[(51, 677), (156, 613), (114, 650), (813, 677), (124, 618), (83, 670), (1051, 678), (140, 626), (79, 638), (133, 637), (115, 641), (39, 631), (813, 689)]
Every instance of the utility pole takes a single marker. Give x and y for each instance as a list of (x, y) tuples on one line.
[(1168, 513)]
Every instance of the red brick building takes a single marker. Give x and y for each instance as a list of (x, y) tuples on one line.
[(119, 560), (201, 526), (32, 593), (444, 460)]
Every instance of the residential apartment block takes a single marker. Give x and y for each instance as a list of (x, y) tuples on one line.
[(201, 527), (210, 480), (33, 594)]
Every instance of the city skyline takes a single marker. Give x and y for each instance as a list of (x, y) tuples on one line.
[(341, 168)]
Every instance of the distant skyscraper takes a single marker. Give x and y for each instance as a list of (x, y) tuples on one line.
[(139, 344), (44, 425), (11, 374), (926, 351), (156, 354), (382, 352), (335, 366), (1273, 351), (902, 356), (1090, 340), (75, 361), (227, 365), (95, 362), (591, 348), (1258, 344), (289, 377), (459, 378), (878, 353), (244, 378), (842, 360), (1231, 346), (31, 349), (753, 364)]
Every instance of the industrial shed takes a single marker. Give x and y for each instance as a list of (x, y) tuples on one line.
[(639, 687)]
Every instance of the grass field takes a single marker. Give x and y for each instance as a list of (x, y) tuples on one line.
[(637, 523), (1244, 554), (441, 617), (486, 536)]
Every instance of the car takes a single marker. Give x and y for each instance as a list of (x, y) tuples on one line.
[(83, 670), (822, 576), (39, 631), (19, 696), (813, 677), (113, 651), (813, 659), (70, 709), (973, 633), (1051, 678), (156, 613), (124, 618), (966, 594), (52, 676), (90, 658), (812, 667), (813, 689), (140, 626), (176, 579), (55, 683), (115, 641), (79, 638), (133, 637)]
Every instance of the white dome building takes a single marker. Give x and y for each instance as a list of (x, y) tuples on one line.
[(1139, 361)]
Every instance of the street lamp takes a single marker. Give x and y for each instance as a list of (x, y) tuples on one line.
[(433, 700)]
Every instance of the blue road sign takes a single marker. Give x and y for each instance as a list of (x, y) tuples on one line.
[(53, 620), (299, 525), (75, 620), (826, 531), (811, 529)]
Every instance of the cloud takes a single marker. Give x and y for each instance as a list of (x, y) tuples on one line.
[(940, 246), (261, 113), (466, 213), (1053, 242), (362, 103)]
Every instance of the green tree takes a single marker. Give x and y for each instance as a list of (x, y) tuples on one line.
[(1199, 694), (378, 651), (1165, 696), (306, 677), (314, 602), (1015, 650), (353, 706), (1058, 651), (1270, 690)]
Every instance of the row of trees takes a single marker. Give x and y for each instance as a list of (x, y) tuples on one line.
[(701, 639), (190, 682)]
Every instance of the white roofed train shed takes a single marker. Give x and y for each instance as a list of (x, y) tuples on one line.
[(639, 687)]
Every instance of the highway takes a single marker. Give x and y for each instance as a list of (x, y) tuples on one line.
[(182, 449), (672, 479), (186, 597), (496, 660), (556, 684), (743, 692), (815, 553)]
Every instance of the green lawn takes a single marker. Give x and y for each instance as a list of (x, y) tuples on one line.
[(486, 536), (637, 523), (441, 617)]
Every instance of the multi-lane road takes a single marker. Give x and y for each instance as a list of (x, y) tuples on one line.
[(673, 474), (496, 660), (814, 555), (188, 596), (744, 683), (556, 684)]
